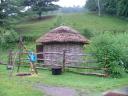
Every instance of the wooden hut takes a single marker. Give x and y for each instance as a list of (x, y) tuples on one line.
[(58, 40)]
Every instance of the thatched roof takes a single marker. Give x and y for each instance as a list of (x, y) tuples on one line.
[(62, 34)]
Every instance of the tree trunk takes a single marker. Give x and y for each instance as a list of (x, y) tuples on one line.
[(40, 15), (99, 8)]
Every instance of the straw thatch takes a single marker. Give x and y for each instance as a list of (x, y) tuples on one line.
[(62, 34)]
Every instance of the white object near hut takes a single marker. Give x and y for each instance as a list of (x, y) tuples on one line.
[(56, 41)]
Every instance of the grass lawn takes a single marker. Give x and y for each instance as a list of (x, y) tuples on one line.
[(23, 86), (15, 86)]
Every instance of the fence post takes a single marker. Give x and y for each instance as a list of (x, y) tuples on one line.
[(10, 59), (64, 59), (10, 63), (19, 61)]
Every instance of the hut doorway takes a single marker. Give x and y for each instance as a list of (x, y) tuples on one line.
[(39, 49)]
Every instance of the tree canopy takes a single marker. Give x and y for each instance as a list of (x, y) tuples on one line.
[(112, 7), (7, 8), (40, 6)]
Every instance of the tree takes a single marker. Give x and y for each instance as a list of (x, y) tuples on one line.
[(7, 34), (40, 6), (112, 7), (99, 8), (109, 6), (122, 9), (3, 14), (94, 5), (91, 5), (7, 8)]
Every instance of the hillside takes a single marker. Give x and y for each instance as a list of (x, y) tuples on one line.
[(91, 22)]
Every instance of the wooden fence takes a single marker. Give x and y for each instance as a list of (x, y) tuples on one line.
[(81, 64)]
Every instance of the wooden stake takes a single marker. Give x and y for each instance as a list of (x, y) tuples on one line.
[(20, 49), (64, 59)]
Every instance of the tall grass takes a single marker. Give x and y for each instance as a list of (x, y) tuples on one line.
[(111, 52)]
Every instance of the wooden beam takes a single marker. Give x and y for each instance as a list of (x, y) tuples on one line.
[(64, 59), (82, 61), (79, 67), (95, 74)]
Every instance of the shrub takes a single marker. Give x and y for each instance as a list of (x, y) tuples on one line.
[(108, 54), (122, 41), (58, 21), (87, 33), (7, 37)]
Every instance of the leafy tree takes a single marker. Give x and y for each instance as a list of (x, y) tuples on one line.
[(122, 9), (91, 5), (109, 6), (3, 14), (7, 34), (40, 6), (7, 8), (112, 7)]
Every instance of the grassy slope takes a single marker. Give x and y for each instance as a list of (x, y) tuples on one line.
[(95, 23), (79, 21), (91, 22)]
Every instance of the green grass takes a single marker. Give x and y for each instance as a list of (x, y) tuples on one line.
[(92, 22), (35, 28), (17, 86), (95, 23)]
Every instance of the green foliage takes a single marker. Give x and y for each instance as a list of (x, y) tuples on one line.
[(40, 6), (7, 9), (125, 60), (122, 8), (91, 5), (112, 7), (87, 33), (58, 21), (7, 37), (122, 41), (108, 54), (109, 6)]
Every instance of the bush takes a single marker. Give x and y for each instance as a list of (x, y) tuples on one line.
[(58, 21), (7, 36), (122, 40), (125, 59), (87, 33), (108, 54)]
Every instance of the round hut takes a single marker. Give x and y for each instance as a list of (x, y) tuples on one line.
[(59, 40)]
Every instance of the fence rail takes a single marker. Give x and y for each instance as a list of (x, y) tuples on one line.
[(65, 62)]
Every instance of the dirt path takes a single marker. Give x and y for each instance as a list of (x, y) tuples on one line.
[(58, 91)]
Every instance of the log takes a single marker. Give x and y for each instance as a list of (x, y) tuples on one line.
[(79, 67), (49, 53), (94, 74), (82, 61), (1, 63)]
